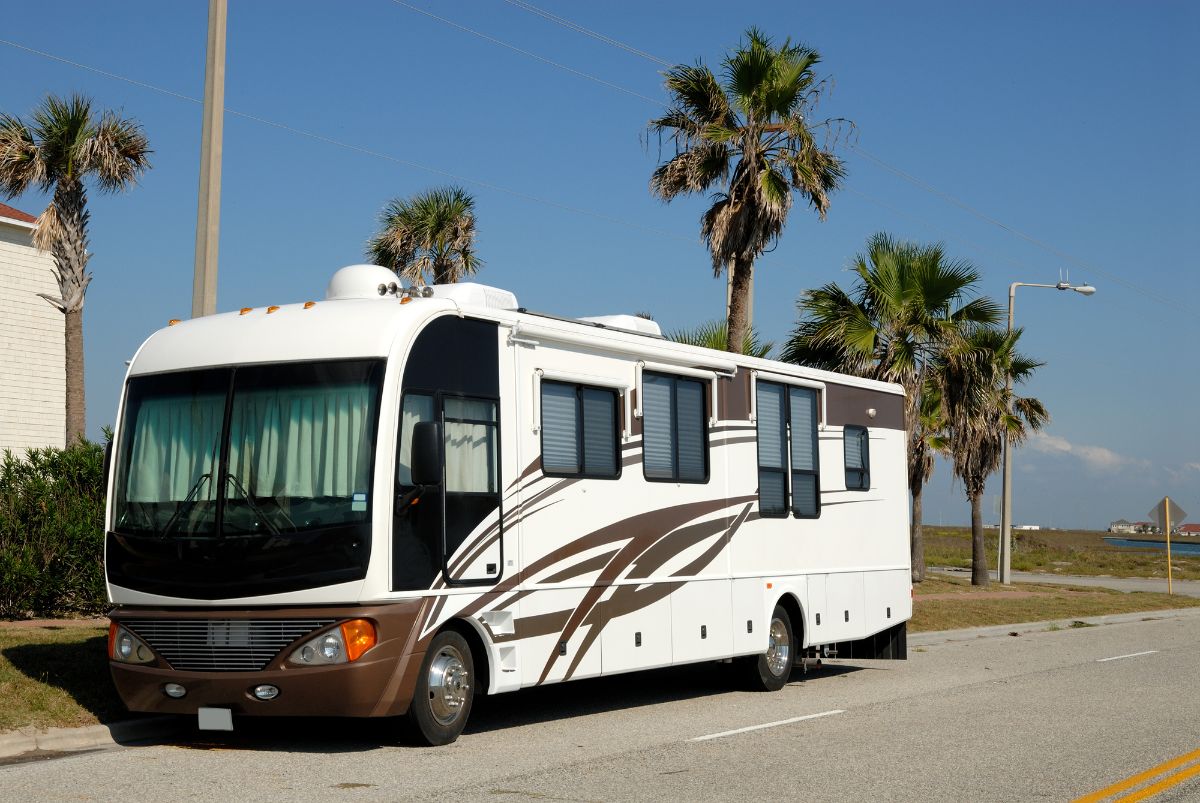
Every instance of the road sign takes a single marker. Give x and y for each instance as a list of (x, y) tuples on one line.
[(1167, 511), (1163, 514)]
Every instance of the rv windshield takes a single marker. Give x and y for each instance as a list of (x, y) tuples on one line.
[(239, 462)]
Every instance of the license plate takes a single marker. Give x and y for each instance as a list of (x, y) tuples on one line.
[(215, 719)]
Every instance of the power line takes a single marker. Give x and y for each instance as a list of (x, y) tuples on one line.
[(1014, 231), (566, 23), (528, 53), (574, 26), (351, 146)]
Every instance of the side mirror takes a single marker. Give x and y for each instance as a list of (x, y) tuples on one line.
[(108, 452), (427, 453)]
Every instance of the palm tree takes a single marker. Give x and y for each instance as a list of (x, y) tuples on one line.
[(64, 143), (974, 377), (909, 302), (749, 137), (428, 237), (715, 335)]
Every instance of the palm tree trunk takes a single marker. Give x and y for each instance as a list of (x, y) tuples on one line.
[(739, 304), (979, 567), (917, 536), (76, 411)]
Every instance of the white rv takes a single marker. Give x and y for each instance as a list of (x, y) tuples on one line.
[(388, 501)]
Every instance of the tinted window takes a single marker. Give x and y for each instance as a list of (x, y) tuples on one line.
[(858, 459), (674, 428)]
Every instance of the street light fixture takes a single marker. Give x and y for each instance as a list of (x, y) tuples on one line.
[(1005, 562)]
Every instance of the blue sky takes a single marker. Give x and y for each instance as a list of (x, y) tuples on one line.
[(1074, 123)]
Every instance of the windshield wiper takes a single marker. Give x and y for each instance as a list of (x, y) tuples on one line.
[(250, 504), (166, 530)]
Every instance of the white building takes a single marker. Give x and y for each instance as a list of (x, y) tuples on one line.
[(32, 383)]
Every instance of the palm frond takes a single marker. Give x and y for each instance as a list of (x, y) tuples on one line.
[(21, 163)]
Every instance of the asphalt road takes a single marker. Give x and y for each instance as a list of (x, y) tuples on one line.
[(1034, 717)]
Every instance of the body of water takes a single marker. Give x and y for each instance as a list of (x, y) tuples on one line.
[(1177, 548)]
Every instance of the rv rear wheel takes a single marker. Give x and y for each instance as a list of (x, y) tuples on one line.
[(770, 670), (445, 689)]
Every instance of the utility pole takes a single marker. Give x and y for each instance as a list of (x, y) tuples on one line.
[(208, 212)]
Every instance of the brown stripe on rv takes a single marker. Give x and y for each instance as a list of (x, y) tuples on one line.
[(672, 544), (658, 521), (845, 404), (711, 553), (650, 524), (579, 569)]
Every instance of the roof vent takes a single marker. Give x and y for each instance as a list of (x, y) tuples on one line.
[(359, 281), (630, 323), (470, 294)]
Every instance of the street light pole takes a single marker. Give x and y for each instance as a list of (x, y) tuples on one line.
[(1004, 563), (208, 207)]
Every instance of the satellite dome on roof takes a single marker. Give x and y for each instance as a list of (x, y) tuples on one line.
[(359, 281)]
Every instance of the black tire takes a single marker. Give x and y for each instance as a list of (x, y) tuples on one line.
[(771, 670), (445, 690)]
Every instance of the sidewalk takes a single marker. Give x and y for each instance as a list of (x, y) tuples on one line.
[(1187, 588)]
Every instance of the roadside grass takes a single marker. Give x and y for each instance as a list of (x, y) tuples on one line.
[(55, 676), (956, 603), (1059, 552)]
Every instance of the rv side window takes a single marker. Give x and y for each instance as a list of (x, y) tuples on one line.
[(772, 450), (674, 429), (806, 479), (787, 450), (579, 431), (858, 459)]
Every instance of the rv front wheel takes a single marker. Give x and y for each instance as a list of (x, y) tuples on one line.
[(770, 670), (445, 689)]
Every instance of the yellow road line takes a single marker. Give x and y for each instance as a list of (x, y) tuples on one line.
[(1165, 783), (1140, 778)]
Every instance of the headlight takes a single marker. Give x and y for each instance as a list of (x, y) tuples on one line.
[(127, 648), (331, 647)]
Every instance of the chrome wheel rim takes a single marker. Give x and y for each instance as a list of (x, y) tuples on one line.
[(779, 649), (449, 685)]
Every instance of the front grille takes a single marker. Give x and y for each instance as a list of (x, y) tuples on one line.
[(221, 645)]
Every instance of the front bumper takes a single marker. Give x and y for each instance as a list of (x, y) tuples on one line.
[(380, 683)]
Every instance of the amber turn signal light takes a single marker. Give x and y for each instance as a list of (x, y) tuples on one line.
[(359, 635)]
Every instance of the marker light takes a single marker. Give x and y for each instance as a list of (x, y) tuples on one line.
[(309, 304), (359, 636), (405, 299), (244, 310), (271, 309), (172, 322), (338, 646)]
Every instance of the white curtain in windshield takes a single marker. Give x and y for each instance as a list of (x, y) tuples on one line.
[(176, 441), (306, 442)]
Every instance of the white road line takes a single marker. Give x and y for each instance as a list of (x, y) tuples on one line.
[(1131, 655), (766, 725)]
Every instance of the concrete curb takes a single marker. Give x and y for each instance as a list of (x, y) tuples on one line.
[(29, 740), (935, 637)]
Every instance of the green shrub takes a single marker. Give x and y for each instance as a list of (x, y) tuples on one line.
[(52, 532)]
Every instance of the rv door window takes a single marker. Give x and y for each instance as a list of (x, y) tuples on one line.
[(858, 458), (674, 428), (579, 431)]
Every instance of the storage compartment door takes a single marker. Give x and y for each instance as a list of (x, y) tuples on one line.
[(637, 627), (701, 621)]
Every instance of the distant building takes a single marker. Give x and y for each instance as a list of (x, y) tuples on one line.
[(33, 388), (1189, 529), (1145, 527), (1028, 527), (1121, 526)]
